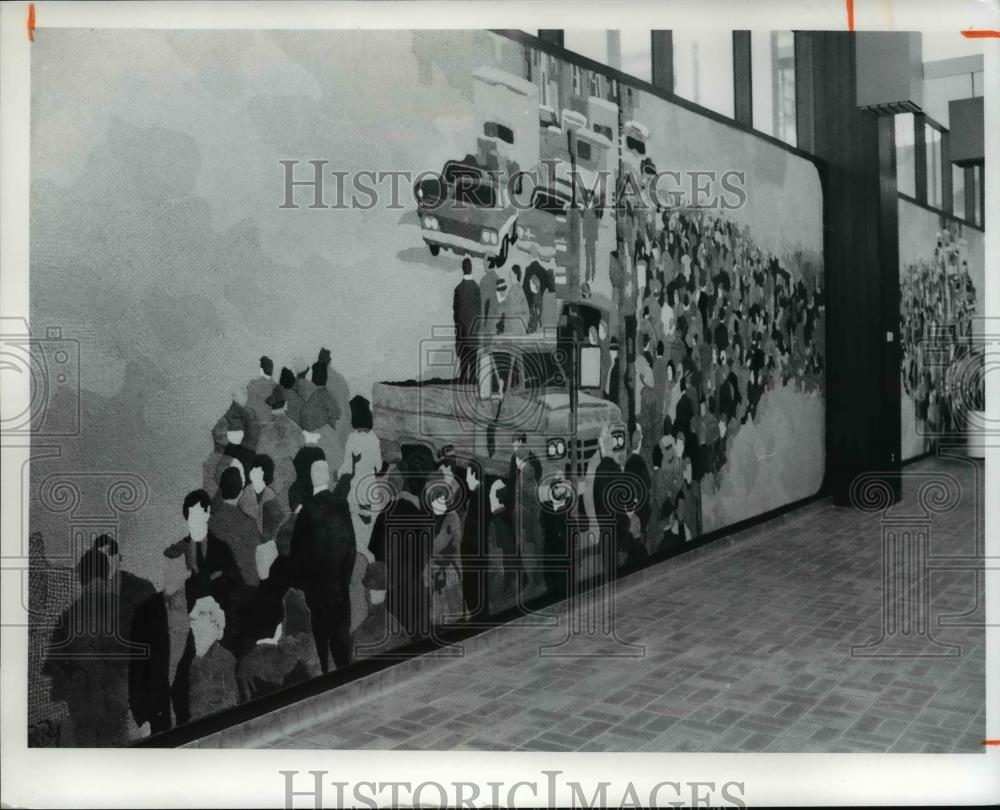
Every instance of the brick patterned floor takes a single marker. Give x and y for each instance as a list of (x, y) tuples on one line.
[(746, 649)]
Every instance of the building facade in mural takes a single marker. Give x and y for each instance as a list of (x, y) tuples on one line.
[(363, 427)]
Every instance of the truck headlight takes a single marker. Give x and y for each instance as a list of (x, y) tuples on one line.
[(488, 236), (431, 223), (556, 448)]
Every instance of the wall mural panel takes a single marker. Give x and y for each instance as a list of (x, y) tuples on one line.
[(378, 333), (941, 278)]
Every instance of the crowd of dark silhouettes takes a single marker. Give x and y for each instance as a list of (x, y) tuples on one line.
[(937, 306)]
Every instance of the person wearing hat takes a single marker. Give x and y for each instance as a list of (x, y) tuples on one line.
[(322, 557), (362, 461), (293, 399), (281, 439), (258, 390), (237, 417)]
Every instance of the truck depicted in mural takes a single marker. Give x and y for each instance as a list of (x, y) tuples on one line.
[(421, 417), (467, 209)]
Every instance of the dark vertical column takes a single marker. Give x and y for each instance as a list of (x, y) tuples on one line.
[(742, 79), (920, 157), (947, 189), (551, 35), (662, 46), (970, 192), (804, 82), (862, 280), (981, 188), (888, 251)]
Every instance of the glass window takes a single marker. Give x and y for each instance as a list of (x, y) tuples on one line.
[(932, 140), (637, 53), (703, 68), (906, 182), (772, 66), (958, 191)]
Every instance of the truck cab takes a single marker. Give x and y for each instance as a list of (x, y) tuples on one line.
[(562, 422)]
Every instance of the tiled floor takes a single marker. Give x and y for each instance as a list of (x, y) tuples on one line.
[(746, 649)]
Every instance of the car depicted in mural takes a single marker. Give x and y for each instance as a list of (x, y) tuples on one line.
[(467, 210), (543, 230)]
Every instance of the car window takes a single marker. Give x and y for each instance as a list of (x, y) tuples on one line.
[(479, 194)]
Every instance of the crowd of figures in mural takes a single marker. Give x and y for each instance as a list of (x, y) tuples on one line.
[(937, 308), (608, 353), (291, 563)]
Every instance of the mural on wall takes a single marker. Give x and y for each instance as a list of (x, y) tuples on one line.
[(311, 434), (940, 275)]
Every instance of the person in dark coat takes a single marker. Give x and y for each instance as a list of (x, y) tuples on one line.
[(639, 477), (322, 558), (234, 527), (591, 218), (142, 624), (558, 563), (537, 282), (308, 454), (610, 489), (320, 408), (88, 669), (466, 307), (212, 567), (402, 540)]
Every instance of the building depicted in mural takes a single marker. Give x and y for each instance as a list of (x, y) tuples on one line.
[(354, 427)]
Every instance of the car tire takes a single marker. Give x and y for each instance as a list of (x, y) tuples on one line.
[(435, 249)]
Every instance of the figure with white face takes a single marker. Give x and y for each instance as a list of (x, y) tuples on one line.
[(206, 683)]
